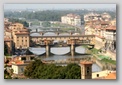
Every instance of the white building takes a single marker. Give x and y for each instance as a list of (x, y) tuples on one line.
[(71, 19)]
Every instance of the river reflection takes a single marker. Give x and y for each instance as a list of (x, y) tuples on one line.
[(57, 50)]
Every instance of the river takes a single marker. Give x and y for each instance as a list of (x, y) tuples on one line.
[(60, 53)]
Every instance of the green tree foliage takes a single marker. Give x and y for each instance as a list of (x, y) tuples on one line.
[(19, 21), (73, 71), (39, 70), (52, 15), (7, 75), (46, 24)]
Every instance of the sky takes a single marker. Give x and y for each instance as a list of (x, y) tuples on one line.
[(59, 6)]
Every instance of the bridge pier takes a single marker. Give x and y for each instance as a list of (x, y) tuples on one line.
[(72, 50), (47, 50), (36, 30), (41, 33), (29, 24), (71, 33), (57, 33), (40, 23)]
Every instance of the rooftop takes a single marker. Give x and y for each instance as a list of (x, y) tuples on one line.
[(111, 76), (111, 28), (107, 74), (86, 62), (21, 33), (73, 15)]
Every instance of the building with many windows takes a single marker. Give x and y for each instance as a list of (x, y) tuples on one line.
[(20, 36), (71, 19)]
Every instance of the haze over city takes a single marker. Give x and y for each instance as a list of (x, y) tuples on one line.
[(59, 6)]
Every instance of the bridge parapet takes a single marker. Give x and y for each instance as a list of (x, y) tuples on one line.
[(74, 39)]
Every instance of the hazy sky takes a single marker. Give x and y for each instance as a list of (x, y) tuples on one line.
[(58, 6)]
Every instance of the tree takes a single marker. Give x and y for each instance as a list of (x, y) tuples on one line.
[(46, 24), (14, 20), (73, 71), (39, 70), (7, 75)]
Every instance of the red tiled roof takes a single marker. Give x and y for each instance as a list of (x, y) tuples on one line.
[(86, 62), (105, 22), (24, 30), (99, 36), (111, 28), (21, 33), (97, 27), (7, 39), (111, 76)]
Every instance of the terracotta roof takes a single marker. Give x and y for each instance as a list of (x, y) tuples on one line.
[(99, 36), (111, 28), (17, 62), (24, 30), (111, 76), (97, 27), (21, 33), (17, 24), (86, 62), (7, 39), (105, 22)]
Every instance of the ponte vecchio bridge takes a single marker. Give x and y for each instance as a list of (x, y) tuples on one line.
[(71, 40)]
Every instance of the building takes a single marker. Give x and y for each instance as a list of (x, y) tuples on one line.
[(71, 19), (110, 36), (20, 36), (8, 44), (86, 70), (107, 74), (19, 63), (106, 17), (92, 16), (7, 36), (105, 30), (113, 22), (22, 39), (95, 16)]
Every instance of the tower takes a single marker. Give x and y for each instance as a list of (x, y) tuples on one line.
[(86, 70)]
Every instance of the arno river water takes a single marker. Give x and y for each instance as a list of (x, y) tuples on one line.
[(60, 53)]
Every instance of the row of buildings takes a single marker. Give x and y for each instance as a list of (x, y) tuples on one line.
[(95, 16), (101, 25), (104, 27), (15, 35)]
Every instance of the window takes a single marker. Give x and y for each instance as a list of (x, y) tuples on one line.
[(23, 58), (32, 58), (88, 70), (22, 69), (97, 75)]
